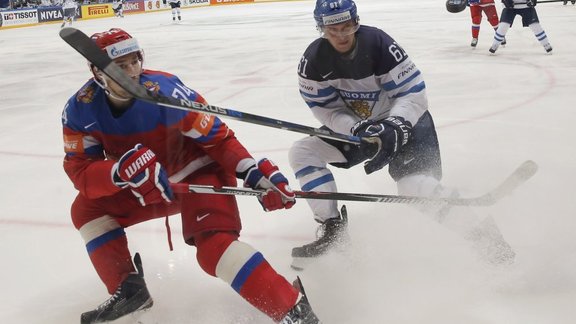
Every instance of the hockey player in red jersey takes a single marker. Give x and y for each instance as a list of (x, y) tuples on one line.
[(123, 153), (476, 9)]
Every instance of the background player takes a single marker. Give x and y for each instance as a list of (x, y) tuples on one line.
[(69, 8), (123, 153), (476, 9), (118, 7), (175, 5), (357, 80), (525, 9)]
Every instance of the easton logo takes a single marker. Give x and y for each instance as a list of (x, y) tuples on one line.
[(139, 163)]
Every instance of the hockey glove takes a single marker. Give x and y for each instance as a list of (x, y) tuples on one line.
[(531, 3), (381, 140), (139, 170), (508, 3), (265, 175)]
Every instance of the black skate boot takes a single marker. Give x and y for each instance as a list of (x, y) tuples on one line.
[(302, 312), (474, 42), (132, 295), (331, 233)]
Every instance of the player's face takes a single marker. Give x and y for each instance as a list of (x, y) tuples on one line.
[(341, 36), (131, 64)]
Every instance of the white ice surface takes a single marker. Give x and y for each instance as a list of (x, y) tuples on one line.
[(492, 113)]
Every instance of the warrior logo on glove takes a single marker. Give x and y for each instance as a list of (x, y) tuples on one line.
[(147, 178)]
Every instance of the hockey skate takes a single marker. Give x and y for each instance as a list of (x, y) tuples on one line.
[(131, 296), (302, 312), (548, 48), (474, 42), (331, 234), (489, 244), (503, 42)]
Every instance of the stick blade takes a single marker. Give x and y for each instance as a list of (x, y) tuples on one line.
[(522, 174)]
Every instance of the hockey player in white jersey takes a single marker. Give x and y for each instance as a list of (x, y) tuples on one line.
[(357, 80), (118, 7), (69, 9), (525, 9), (175, 5)]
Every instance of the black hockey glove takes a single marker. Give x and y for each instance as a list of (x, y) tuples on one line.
[(381, 140), (508, 3)]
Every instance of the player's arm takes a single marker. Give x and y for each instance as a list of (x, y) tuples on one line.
[(323, 100), (220, 143), (84, 162), (404, 86), (402, 82)]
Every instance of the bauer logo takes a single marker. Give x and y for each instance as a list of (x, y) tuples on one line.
[(336, 19)]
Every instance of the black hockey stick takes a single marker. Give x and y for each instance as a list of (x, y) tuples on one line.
[(524, 172), (545, 1), (85, 46)]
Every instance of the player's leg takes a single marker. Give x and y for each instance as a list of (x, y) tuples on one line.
[(476, 16), (418, 171), (212, 224), (530, 19), (309, 158), (492, 16), (101, 223), (173, 6), (506, 19)]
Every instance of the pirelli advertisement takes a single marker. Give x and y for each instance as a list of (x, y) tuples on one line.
[(97, 11)]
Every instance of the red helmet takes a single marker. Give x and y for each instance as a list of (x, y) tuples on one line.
[(116, 42)]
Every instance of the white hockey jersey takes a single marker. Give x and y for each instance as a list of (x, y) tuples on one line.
[(376, 80)]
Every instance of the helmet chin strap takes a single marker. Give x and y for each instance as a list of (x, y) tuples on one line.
[(100, 80)]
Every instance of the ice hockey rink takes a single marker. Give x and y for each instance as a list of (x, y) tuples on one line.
[(492, 113)]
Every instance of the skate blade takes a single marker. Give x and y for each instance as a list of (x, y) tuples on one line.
[(299, 264), (143, 315)]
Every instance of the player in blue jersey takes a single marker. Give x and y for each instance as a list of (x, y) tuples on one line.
[(358, 80), (122, 154), (525, 9)]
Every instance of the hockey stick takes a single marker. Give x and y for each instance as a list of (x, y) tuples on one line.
[(85, 46), (545, 1), (524, 172)]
